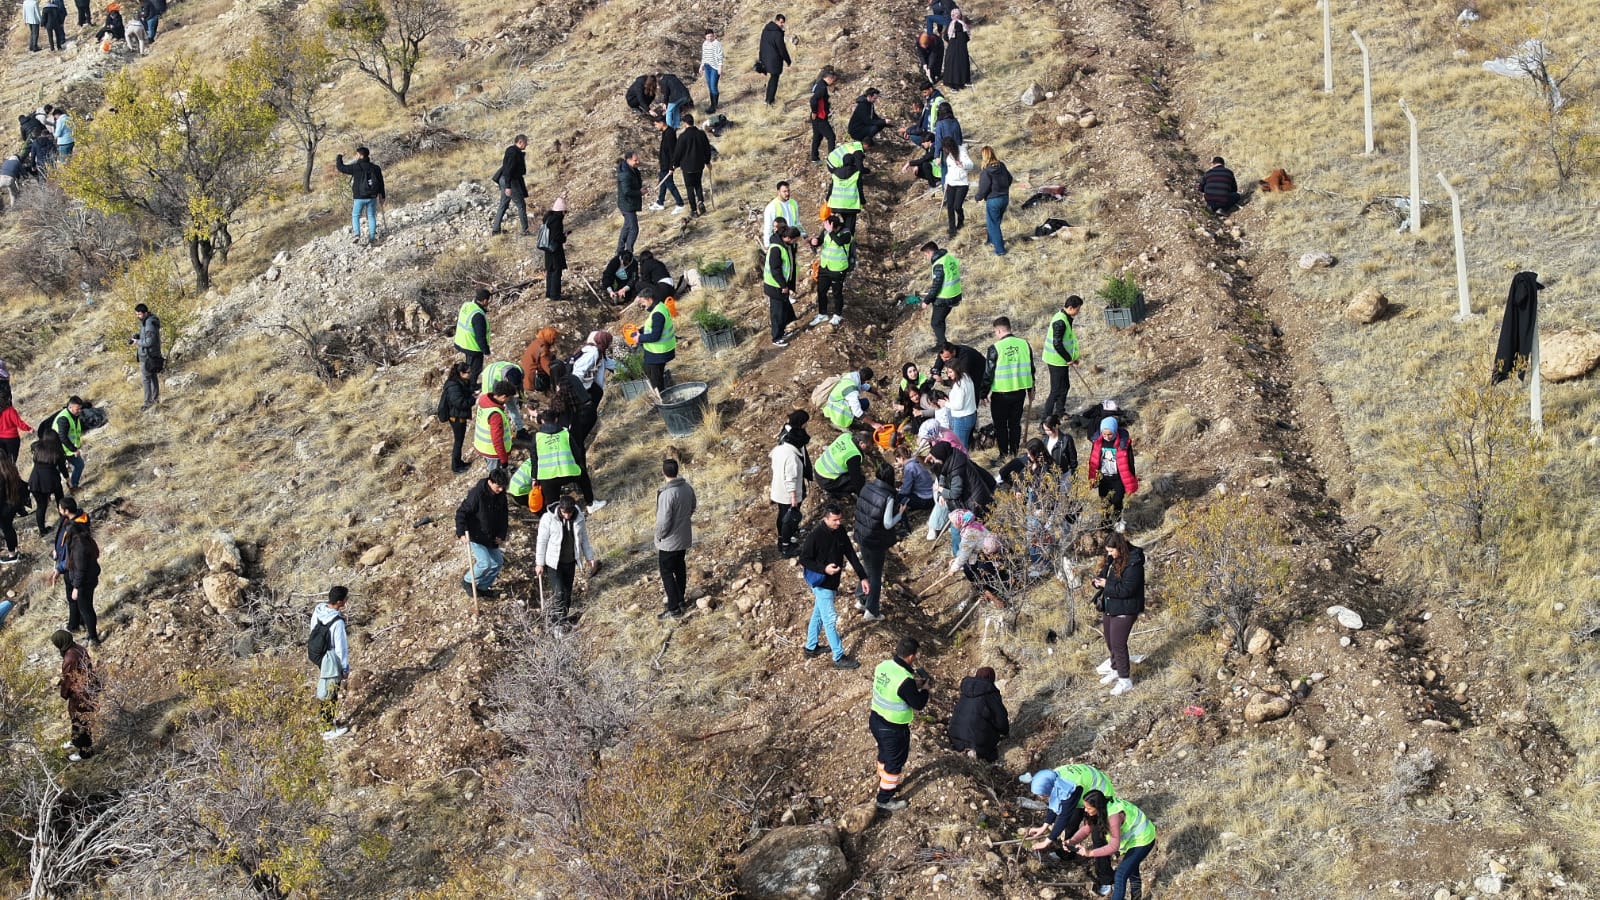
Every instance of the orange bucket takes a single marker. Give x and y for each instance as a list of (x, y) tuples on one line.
[(824, 212), (885, 436), (536, 499), (672, 306), (630, 334)]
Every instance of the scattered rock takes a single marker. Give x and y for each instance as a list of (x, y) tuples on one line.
[(1261, 641), (272, 273), (1074, 234), (222, 553), (1366, 308), (1088, 120), (1318, 744), (1489, 884), (1265, 708), (1032, 95), (855, 820), (1569, 354), (1347, 617), (224, 590), (1316, 260), (794, 863), (745, 603), (704, 602), (375, 554)]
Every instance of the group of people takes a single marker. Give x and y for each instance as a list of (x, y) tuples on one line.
[(50, 16)]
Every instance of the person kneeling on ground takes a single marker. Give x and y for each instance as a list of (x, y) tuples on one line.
[(980, 719)]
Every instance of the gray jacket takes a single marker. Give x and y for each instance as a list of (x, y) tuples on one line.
[(150, 338), (674, 507)]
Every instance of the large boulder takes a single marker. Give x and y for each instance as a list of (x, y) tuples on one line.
[(1568, 354), (1367, 308), (224, 590), (794, 863), (222, 553)]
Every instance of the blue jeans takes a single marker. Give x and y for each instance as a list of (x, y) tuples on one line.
[(825, 619), (76, 463), (994, 209), (368, 208), (1126, 884), (712, 76), (932, 20), (150, 26), (962, 426), (674, 117), (938, 518), (64, 150), (486, 563)]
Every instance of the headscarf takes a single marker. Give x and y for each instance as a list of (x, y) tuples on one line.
[(601, 340), (1109, 423)]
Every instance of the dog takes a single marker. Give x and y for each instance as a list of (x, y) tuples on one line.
[(134, 36)]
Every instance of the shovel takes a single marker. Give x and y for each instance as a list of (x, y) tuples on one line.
[(472, 563)]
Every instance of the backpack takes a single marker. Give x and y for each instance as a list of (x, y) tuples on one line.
[(372, 181), (320, 642), (544, 242), (821, 393)]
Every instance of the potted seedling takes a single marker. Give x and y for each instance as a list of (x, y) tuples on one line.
[(1124, 301), (717, 330), (715, 273), (630, 375)]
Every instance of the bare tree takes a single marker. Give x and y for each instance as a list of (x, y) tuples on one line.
[(1566, 128), (384, 38), (298, 67), (63, 243), (1229, 565)]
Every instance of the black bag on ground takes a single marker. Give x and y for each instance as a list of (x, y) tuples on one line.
[(1050, 226)]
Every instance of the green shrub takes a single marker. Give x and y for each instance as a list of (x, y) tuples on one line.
[(711, 319), (1119, 291), (711, 268), (630, 367)]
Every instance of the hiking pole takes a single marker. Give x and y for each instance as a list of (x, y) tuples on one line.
[(1086, 383), (472, 563), (592, 290)]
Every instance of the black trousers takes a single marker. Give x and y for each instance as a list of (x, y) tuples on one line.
[(83, 13), (458, 437), (656, 374), (8, 528), (521, 200), (1007, 408), (696, 190), (772, 87), (566, 575), (821, 129), (1060, 383), (11, 446), (474, 361), (941, 312), (80, 612), (674, 576), (43, 504), (894, 748), (780, 311), (1112, 491), (788, 524), (830, 282), (873, 560), (955, 199)]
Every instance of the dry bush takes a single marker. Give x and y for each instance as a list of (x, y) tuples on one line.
[(63, 243), (1228, 566), (1039, 524), (1412, 774)]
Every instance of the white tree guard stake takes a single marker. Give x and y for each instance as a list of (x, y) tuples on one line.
[(1366, 85), (1327, 46), (1535, 401), (1416, 172), (1463, 295)]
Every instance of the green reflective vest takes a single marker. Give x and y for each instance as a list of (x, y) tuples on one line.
[(1069, 340), (846, 193), (831, 254), (555, 455), (482, 436), (1087, 778), (494, 373), (837, 409), (668, 341), (836, 157), (465, 339), (886, 702), (934, 102), (74, 429), (1137, 829), (1013, 365), (786, 254), (787, 210), (836, 459), (522, 480), (951, 287), (937, 167)]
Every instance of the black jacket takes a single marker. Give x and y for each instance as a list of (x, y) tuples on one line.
[(773, 54), (651, 270), (1516, 326), (513, 166), (864, 118), (456, 401), (672, 89), (994, 181), (775, 266), (366, 177), (666, 149), (483, 516), (638, 97), (980, 719), (557, 258), (821, 102), (630, 188), (825, 546), (1125, 593), (1065, 453), (693, 152), (966, 484), (613, 281), (875, 497)]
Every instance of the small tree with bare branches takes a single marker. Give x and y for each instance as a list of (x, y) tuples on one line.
[(1229, 566), (383, 38)]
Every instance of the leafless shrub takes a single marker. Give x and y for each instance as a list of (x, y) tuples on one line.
[(1412, 775), (1228, 566), (1039, 525), (62, 243)]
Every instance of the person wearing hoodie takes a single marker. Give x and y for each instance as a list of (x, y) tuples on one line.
[(482, 522), (555, 250), (994, 192), (980, 719), (455, 410), (367, 191), (592, 364), (44, 482), (1121, 584), (1064, 789), (791, 468), (877, 514), (1111, 467), (11, 425), (821, 108), (865, 123), (621, 282), (78, 686), (676, 95), (563, 543), (630, 199), (537, 358), (693, 155), (334, 666), (823, 555), (641, 94), (674, 535), (70, 517), (83, 576), (513, 186)]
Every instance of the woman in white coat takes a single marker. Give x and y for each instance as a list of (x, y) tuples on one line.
[(563, 543), (791, 471)]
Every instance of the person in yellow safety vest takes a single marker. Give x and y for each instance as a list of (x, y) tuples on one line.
[(491, 436), (834, 246), (69, 428), (1060, 353), (846, 403), (847, 163), (510, 373), (1063, 789), (838, 470), (555, 465), (521, 484), (930, 165), (784, 207), (777, 282), (1128, 831), (944, 292), (932, 99), (659, 340), (1010, 375), (472, 332), (899, 689)]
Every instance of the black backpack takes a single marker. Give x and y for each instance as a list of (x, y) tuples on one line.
[(321, 640)]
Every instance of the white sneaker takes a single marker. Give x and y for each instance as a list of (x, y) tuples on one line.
[(1104, 667), (780, 343), (334, 734), (1108, 677), (1124, 685), (677, 210), (76, 757), (836, 319), (1122, 525), (656, 207), (933, 536), (1104, 890), (1136, 657), (596, 506), (66, 745), (817, 320), (869, 617)]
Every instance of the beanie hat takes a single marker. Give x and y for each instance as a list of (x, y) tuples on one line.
[(560, 205), (1109, 423), (941, 451)]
